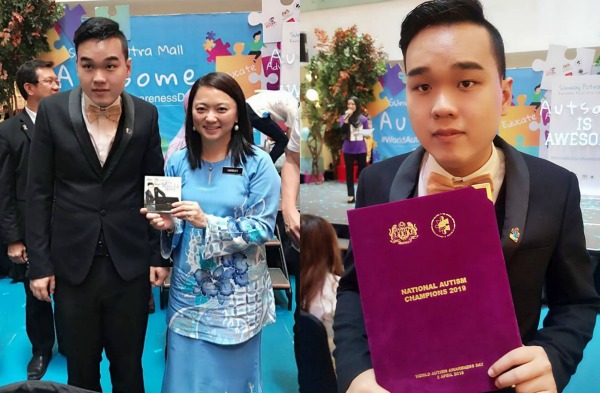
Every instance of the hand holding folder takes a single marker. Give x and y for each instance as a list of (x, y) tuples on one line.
[(434, 290)]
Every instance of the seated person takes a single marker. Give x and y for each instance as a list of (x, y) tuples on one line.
[(320, 270)]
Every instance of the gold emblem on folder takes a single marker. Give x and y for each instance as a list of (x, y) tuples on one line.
[(443, 225), (403, 233)]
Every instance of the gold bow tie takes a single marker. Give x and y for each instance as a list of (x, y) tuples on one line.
[(440, 183), (111, 113)]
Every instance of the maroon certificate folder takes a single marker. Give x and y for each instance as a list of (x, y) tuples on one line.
[(434, 289)]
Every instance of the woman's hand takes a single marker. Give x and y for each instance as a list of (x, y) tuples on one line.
[(190, 212), (160, 221), (347, 115)]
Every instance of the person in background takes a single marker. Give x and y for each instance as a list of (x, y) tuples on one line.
[(268, 107), (265, 109), (221, 293), (35, 80), (290, 184), (87, 244), (352, 122), (320, 270), (5, 112), (456, 93)]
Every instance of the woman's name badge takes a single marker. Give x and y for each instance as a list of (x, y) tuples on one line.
[(229, 170)]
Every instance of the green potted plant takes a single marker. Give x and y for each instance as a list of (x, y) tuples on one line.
[(23, 27), (348, 64)]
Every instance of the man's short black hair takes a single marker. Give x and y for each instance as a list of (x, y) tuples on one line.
[(257, 33), (100, 29), (27, 73), (450, 12)]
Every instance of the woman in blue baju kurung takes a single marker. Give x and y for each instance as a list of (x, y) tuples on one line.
[(221, 293)]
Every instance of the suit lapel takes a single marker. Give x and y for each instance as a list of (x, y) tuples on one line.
[(25, 124), (81, 132), (516, 203), (406, 177), (126, 133)]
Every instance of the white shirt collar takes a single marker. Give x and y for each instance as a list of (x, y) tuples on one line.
[(31, 114)]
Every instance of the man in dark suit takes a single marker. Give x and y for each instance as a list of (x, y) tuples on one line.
[(87, 243), (456, 94), (153, 193), (35, 80), (5, 112)]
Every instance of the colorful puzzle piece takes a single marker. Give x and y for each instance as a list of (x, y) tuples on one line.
[(381, 102), (58, 52), (71, 20), (515, 126), (211, 35), (271, 66), (219, 49), (543, 129), (208, 45), (520, 146), (272, 17), (392, 79), (265, 80), (556, 64), (242, 68), (121, 16)]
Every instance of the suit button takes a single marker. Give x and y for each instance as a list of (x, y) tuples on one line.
[(102, 212)]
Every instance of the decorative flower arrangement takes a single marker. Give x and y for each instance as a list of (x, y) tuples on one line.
[(23, 27), (347, 65)]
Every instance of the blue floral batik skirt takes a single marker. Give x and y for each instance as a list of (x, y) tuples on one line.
[(198, 366)]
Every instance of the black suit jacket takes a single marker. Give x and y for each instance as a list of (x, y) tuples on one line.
[(153, 197), (15, 138), (540, 198), (71, 198)]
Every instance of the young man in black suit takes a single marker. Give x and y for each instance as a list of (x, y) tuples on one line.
[(456, 93), (87, 243), (35, 80), (153, 193)]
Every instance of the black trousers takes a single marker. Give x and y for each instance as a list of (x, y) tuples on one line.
[(104, 313), (349, 159), (39, 323), (267, 126), (5, 262)]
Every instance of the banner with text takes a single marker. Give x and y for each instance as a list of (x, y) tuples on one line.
[(573, 141), (394, 134), (170, 52)]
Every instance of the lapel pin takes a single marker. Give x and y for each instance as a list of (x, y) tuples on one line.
[(514, 234), (128, 131), (24, 127)]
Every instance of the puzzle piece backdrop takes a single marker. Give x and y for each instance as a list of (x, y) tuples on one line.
[(165, 65), (557, 64), (272, 18), (394, 135), (561, 124)]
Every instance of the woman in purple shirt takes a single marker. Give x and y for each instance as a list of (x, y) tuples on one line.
[(354, 148)]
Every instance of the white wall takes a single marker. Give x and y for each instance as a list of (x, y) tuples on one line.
[(525, 25)]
